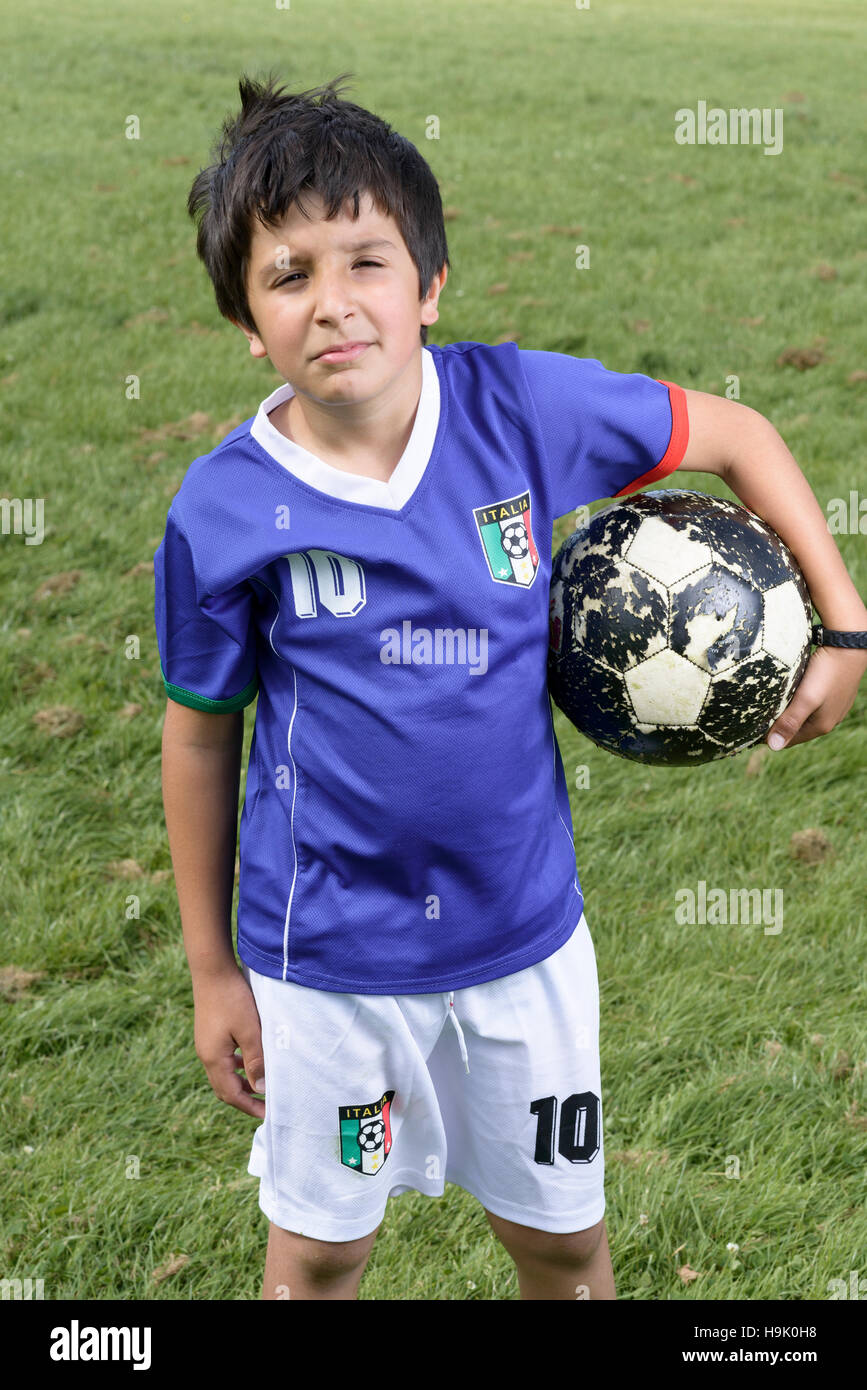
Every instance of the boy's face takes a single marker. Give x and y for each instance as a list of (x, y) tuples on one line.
[(308, 289)]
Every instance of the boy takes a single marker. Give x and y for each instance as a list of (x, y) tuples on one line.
[(370, 554)]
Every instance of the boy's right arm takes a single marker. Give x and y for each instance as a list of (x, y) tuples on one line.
[(201, 770)]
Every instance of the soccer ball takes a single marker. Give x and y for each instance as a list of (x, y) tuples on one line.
[(514, 540), (371, 1135), (680, 627)]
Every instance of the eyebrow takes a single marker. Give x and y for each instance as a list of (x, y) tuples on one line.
[(302, 257)]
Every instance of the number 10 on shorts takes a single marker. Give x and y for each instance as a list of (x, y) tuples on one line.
[(578, 1132)]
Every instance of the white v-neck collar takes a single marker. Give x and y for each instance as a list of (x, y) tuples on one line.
[(355, 487)]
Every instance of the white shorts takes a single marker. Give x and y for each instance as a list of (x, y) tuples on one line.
[(495, 1087)]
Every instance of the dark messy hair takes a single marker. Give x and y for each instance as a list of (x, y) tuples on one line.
[(282, 143)]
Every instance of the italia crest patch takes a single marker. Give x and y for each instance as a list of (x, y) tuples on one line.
[(507, 540), (365, 1134)]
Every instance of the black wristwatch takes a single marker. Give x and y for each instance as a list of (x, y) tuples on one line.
[(830, 637)]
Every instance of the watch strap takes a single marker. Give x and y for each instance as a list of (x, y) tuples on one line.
[(831, 637)]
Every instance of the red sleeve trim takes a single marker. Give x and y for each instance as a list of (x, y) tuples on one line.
[(676, 444)]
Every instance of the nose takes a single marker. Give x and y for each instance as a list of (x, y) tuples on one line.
[(333, 294)]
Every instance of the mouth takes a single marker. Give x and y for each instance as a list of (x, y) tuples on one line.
[(343, 354)]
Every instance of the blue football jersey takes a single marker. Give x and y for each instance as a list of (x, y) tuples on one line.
[(406, 824)]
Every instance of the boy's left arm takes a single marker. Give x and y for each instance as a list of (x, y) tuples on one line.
[(745, 450)]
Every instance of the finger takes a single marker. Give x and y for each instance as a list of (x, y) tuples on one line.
[(253, 1058), (255, 1072), (237, 1093), (807, 731), (246, 1102), (806, 703), (226, 1067), (254, 1068)]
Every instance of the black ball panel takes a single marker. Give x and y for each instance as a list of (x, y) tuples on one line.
[(595, 699), (669, 746), (617, 614), (750, 549), (741, 707), (717, 591), (607, 533)]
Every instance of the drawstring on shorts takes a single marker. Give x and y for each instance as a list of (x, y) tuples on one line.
[(454, 1018)]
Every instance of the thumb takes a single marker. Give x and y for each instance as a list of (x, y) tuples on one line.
[(784, 728), (254, 1062), (812, 689)]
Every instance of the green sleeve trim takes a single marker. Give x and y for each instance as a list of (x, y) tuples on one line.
[(187, 697)]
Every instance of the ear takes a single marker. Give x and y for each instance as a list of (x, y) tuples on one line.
[(429, 310), (257, 347)]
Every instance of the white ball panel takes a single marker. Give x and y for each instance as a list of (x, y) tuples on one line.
[(667, 689), (665, 553), (785, 623)]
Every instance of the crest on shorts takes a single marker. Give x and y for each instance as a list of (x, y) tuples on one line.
[(507, 540), (365, 1134)]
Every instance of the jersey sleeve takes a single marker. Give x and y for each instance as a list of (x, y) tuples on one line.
[(605, 433), (206, 641)]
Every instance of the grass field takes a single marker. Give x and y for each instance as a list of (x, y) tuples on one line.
[(732, 1060)]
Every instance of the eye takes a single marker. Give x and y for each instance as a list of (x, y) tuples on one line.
[(286, 280)]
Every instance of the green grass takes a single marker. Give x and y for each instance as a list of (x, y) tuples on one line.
[(719, 1043)]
